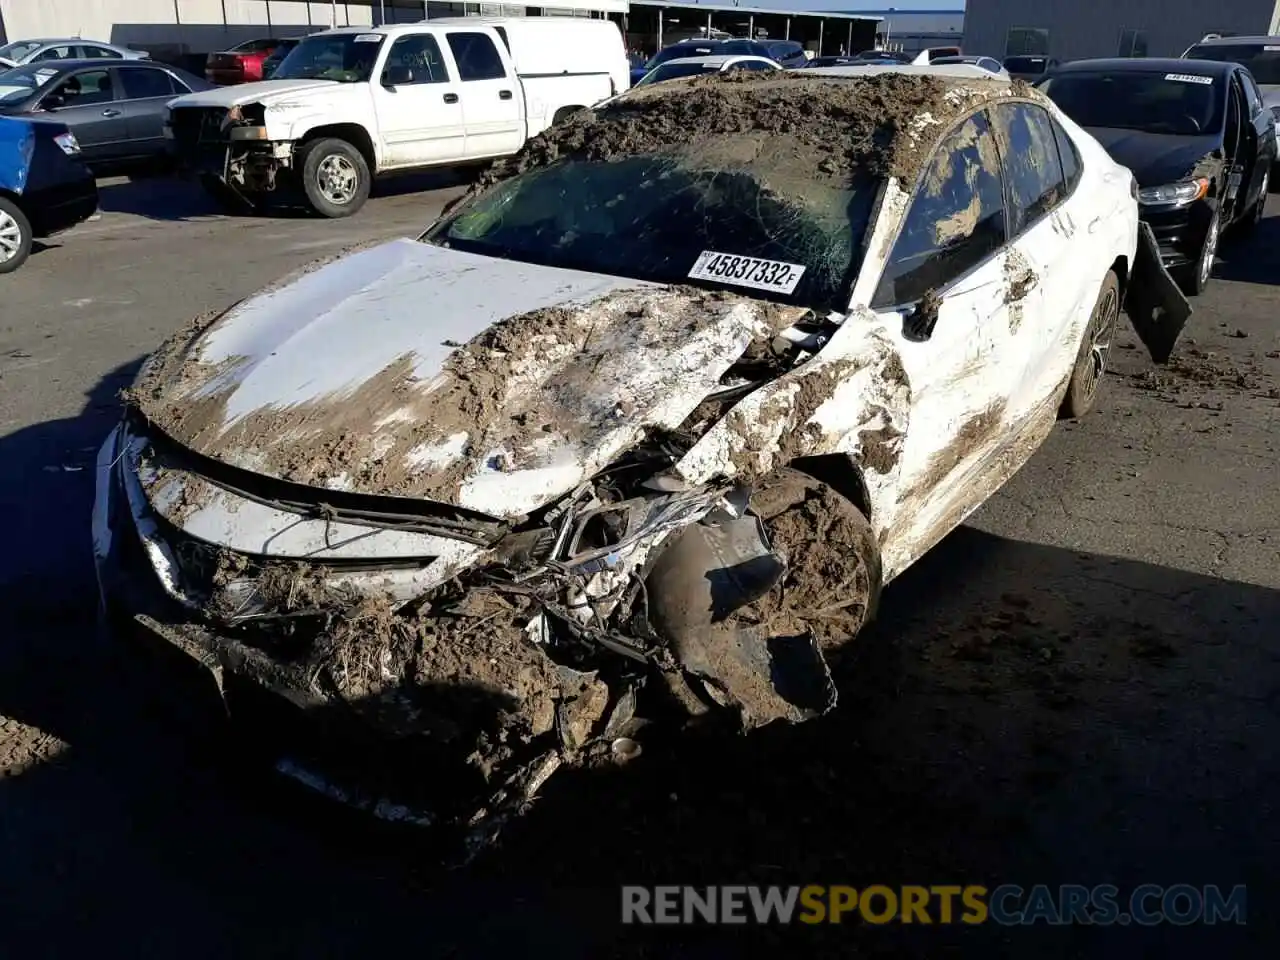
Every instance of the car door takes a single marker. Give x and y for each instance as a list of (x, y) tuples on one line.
[(144, 91), (1263, 124), (1049, 291), (942, 299), (492, 104), (85, 102), (1238, 147), (418, 104)]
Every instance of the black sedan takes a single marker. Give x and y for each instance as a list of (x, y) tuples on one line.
[(1195, 135), (116, 111)]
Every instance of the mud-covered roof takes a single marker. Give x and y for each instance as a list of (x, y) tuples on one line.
[(838, 123)]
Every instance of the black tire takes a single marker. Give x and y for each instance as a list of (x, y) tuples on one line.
[(335, 177), (1095, 348), (1194, 277), (16, 236)]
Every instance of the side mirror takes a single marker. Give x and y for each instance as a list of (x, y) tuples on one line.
[(396, 75), (918, 324), (53, 100)]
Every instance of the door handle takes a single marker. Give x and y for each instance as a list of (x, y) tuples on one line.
[(111, 113), (504, 94), (450, 98)]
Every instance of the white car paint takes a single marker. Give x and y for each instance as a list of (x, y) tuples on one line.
[(551, 64)]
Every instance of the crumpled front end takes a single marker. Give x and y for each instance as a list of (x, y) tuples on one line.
[(487, 651)]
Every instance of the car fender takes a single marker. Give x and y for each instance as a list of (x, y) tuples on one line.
[(17, 144), (852, 398)]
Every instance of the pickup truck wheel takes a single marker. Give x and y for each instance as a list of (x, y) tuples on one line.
[(335, 177), (1095, 350), (15, 236)]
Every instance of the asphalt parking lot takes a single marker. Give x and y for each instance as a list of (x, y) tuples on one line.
[(1082, 685)]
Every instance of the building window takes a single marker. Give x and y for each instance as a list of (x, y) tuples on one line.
[(1133, 43), (1026, 42)]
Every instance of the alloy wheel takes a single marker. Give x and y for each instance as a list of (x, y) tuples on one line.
[(337, 178), (10, 237)]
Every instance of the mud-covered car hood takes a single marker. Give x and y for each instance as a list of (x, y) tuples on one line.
[(417, 371)]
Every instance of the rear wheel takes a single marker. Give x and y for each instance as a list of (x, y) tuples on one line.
[(335, 177), (1095, 350), (15, 236)]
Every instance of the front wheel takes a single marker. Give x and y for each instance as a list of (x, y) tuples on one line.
[(335, 178), (1095, 350), (15, 236)]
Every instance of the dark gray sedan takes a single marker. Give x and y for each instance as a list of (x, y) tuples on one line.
[(116, 110)]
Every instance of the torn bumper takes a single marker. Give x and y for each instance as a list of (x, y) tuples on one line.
[(455, 709)]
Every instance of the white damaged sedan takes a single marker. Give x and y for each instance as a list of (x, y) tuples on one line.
[(636, 432)]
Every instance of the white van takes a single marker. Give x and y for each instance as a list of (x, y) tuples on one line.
[(351, 104)]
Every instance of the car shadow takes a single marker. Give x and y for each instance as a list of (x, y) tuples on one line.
[(1253, 257), (157, 197), (1019, 713)]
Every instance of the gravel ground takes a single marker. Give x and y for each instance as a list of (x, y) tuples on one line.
[(1079, 686)]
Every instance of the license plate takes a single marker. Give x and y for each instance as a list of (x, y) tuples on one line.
[(772, 275)]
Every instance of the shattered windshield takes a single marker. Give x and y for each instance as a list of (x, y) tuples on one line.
[(729, 213), (344, 57)]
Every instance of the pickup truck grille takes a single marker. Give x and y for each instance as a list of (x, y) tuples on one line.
[(195, 126)]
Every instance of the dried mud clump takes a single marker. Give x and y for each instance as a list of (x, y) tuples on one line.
[(840, 128), (827, 545)]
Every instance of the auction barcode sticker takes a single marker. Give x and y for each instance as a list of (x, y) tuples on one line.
[(368, 38), (747, 271), (1188, 78)]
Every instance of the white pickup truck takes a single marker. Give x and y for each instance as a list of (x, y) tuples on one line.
[(352, 104)]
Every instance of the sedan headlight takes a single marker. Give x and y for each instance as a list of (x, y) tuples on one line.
[(68, 142), (1174, 194)]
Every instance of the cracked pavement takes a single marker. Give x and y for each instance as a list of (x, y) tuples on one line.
[(1079, 686)]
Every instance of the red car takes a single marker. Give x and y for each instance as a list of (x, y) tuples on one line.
[(240, 64)]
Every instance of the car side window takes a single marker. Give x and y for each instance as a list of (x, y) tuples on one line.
[(476, 56), (141, 83), (750, 65), (1032, 168), (93, 52), (54, 53), (1069, 156), (420, 55), (956, 218), (86, 88)]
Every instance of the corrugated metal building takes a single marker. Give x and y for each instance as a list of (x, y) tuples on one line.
[(1078, 29)]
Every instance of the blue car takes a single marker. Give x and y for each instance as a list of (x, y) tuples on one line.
[(44, 186)]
